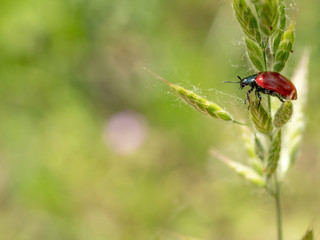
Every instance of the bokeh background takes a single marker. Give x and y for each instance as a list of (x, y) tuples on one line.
[(94, 147)]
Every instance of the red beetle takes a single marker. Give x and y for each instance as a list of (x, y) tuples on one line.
[(271, 83)]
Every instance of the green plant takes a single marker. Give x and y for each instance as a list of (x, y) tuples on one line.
[(273, 136)]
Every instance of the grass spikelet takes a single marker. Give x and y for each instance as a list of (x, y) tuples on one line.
[(282, 24), (247, 20), (274, 153), (199, 103), (279, 66), (283, 18), (249, 144), (308, 235), (244, 171), (260, 118), (257, 5), (259, 149), (255, 53), (284, 48), (269, 17), (276, 41), (283, 114)]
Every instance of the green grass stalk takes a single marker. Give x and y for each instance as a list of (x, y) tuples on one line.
[(278, 206)]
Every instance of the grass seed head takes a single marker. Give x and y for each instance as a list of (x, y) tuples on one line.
[(282, 12), (259, 149), (260, 117), (269, 17), (201, 104), (276, 41), (274, 154), (247, 20), (284, 49), (282, 24), (283, 115), (255, 53)]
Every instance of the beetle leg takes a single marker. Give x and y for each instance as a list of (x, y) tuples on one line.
[(279, 98), (259, 96), (248, 97)]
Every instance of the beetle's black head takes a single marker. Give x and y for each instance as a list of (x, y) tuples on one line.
[(248, 81), (242, 82)]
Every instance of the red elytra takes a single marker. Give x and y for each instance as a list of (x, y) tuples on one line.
[(278, 83)]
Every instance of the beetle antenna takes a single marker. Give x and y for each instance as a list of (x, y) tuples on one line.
[(229, 82), (234, 82)]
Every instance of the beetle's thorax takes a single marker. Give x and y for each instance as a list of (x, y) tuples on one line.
[(251, 81)]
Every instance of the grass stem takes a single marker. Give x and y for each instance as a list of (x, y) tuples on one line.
[(278, 206)]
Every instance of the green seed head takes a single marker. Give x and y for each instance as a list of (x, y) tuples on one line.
[(258, 147), (201, 104), (283, 114), (289, 34), (247, 20), (255, 53), (260, 117), (279, 66), (274, 153), (282, 24), (276, 42), (282, 55), (283, 18), (269, 17), (284, 49)]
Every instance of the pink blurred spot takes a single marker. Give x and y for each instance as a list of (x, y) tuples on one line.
[(125, 132)]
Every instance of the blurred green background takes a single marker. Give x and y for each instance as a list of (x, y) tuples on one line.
[(94, 147)]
